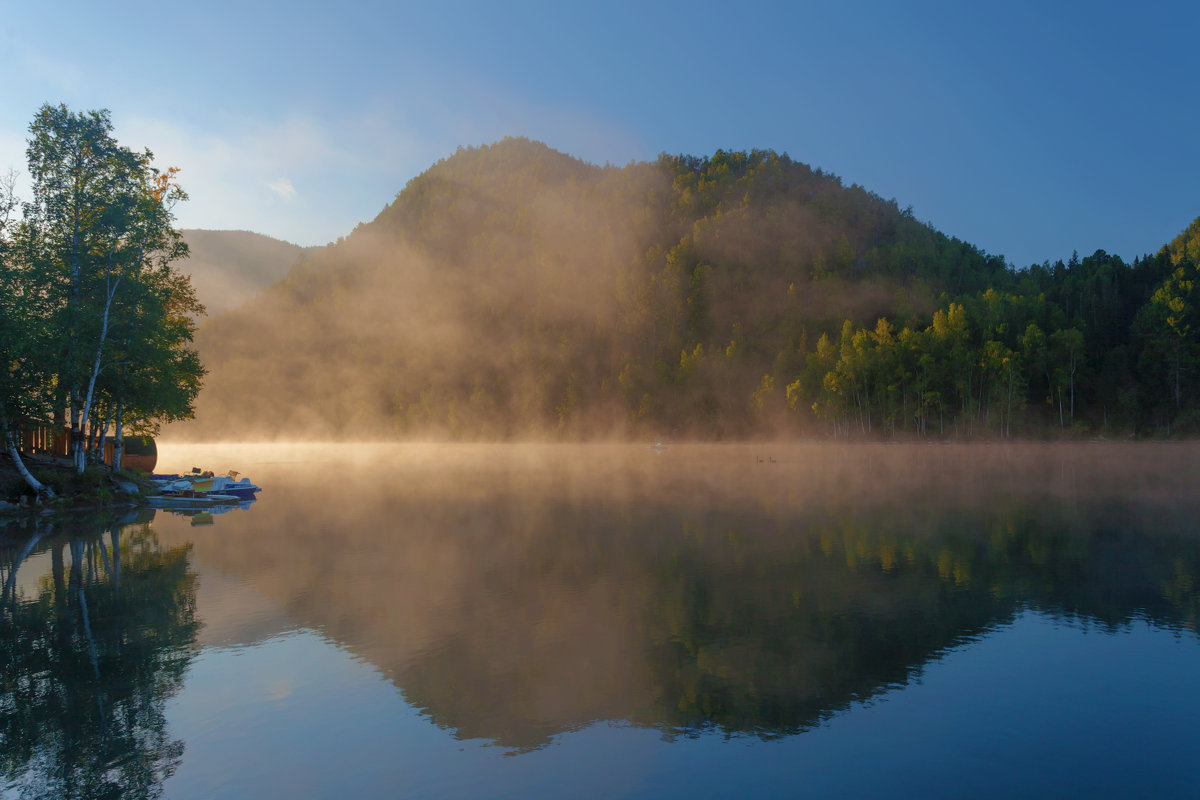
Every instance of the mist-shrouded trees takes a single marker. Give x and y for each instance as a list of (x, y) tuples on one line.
[(101, 319), (513, 291)]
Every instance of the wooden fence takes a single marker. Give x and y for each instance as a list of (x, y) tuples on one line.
[(48, 440), (44, 440)]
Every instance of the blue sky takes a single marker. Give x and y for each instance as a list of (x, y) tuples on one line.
[(1029, 129)]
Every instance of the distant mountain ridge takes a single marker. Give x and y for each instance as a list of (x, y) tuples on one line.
[(229, 267)]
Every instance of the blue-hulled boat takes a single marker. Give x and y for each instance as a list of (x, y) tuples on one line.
[(198, 485)]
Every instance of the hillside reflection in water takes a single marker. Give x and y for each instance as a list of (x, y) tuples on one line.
[(515, 593), (514, 596)]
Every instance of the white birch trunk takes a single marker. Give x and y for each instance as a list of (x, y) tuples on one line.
[(79, 451), (33, 483)]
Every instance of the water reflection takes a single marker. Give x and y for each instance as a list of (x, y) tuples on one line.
[(97, 622), (513, 594)]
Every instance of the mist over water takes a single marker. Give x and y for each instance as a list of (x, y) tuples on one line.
[(1160, 475)]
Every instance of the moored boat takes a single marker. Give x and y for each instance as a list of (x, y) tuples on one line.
[(225, 484), (206, 485)]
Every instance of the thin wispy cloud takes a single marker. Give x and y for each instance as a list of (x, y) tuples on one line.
[(282, 187)]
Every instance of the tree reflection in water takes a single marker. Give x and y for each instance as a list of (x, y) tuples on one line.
[(90, 657)]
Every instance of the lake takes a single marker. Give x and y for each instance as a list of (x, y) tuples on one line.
[(449, 621)]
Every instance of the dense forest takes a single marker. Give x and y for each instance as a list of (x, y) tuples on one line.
[(511, 290)]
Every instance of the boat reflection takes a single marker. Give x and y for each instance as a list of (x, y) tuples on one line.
[(204, 513)]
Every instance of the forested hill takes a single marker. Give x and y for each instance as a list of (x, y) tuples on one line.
[(511, 290)]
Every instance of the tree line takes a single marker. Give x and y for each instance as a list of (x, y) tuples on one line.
[(95, 321), (1092, 345)]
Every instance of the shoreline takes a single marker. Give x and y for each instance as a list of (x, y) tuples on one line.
[(97, 489)]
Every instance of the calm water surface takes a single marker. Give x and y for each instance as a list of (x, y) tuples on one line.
[(562, 621)]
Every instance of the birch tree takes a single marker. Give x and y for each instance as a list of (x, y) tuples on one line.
[(100, 221)]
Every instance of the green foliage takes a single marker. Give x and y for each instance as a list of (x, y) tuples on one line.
[(68, 483), (93, 316)]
